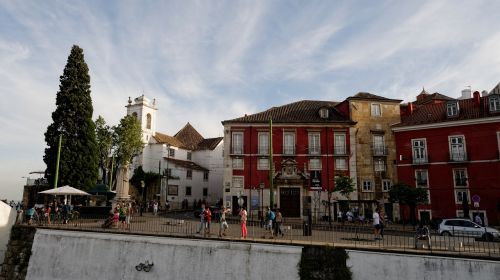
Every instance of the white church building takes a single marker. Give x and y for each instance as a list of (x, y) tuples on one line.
[(191, 165)]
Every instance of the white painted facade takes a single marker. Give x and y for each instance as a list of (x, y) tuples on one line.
[(155, 157)]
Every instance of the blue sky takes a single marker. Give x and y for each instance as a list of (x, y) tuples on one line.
[(207, 61)]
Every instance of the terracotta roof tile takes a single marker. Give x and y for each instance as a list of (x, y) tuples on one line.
[(209, 144), (166, 139), (186, 164), (189, 136), (436, 113), (429, 98), (369, 96), (305, 111)]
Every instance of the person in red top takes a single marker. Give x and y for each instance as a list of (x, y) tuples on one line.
[(208, 219)]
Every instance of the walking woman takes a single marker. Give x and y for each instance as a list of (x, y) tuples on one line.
[(243, 220)]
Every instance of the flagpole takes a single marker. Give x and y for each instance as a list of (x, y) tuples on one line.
[(271, 196)]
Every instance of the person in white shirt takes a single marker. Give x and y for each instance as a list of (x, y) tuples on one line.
[(376, 224)]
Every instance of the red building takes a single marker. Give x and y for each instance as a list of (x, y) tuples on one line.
[(451, 148), (309, 139)]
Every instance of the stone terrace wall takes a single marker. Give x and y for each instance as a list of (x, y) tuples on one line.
[(18, 253)]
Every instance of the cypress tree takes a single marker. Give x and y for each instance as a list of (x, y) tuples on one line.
[(73, 120)]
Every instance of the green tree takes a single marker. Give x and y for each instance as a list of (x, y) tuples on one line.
[(403, 194), (73, 120), (127, 141), (104, 138), (344, 185)]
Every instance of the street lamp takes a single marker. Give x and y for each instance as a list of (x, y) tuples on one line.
[(142, 197)]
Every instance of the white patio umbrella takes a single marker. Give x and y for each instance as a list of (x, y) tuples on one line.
[(65, 190)]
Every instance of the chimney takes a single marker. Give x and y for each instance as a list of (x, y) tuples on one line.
[(477, 98)]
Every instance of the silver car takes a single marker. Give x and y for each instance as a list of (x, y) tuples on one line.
[(465, 227)]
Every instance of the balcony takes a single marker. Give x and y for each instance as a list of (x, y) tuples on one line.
[(421, 160), (458, 156), (380, 150)]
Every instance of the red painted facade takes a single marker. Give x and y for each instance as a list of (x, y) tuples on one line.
[(482, 167), (253, 177)]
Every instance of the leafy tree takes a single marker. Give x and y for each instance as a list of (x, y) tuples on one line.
[(73, 120), (403, 194), (104, 138), (127, 140), (344, 185)]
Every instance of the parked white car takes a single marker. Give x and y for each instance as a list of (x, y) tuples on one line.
[(465, 227)]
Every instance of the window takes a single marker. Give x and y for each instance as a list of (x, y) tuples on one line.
[(460, 177), (168, 172), (237, 143), (339, 143), (378, 145), (171, 152), (419, 151), (494, 101), (289, 143), (315, 164), (238, 182), (205, 176), (457, 148), (452, 109), (148, 121), (189, 156), (340, 164), (188, 191), (205, 191), (460, 195), (189, 174), (379, 165), (323, 113), (263, 164), (367, 186), (173, 190), (421, 179), (386, 185), (314, 144), (237, 163), (376, 110), (263, 143)]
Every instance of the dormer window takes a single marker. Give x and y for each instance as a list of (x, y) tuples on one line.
[(323, 113), (452, 109), (494, 101)]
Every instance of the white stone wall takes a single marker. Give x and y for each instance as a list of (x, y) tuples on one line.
[(7, 220)]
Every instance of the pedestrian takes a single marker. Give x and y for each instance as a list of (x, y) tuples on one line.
[(279, 221), (223, 223), (208, 219), (155, 208), (202, 219), (376, 224), (243, 222), (270, 216), (478, 220), (129, 211), (122, 216)]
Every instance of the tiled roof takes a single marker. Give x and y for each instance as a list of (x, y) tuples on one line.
[(189, 136), (428, 98), (496, 89), (369, 96), (186, 164), (209, 144), (305, 111), (436, 112), (165, 139)]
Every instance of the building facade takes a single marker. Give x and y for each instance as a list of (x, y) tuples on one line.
[(311, 144), (190, 165), (375, 151), (451, 148)]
